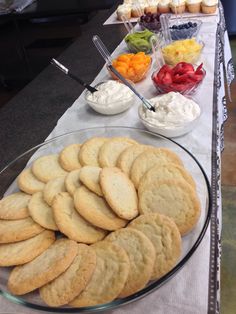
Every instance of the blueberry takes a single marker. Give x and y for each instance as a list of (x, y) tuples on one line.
[(190, 24), (194, 24)]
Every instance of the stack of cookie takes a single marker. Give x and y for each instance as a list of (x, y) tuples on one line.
[(119, 209)]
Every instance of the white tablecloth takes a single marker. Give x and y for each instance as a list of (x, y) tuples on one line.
[(195, 288)]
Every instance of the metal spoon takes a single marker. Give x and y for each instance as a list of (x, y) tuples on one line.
[(73, 76), (106, 55)]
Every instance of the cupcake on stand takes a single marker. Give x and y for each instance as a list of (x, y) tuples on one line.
[(152, 6), (209, 6), (138, 8), (193, 6), (178, 6), (123, 10), (164, 6)]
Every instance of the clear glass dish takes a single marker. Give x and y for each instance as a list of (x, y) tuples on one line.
[(173, 131), (190, 242), (110, 108), (184, 30), (184, 89)]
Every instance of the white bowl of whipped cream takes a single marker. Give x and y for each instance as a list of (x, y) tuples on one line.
[(111, 97), (175, 115)]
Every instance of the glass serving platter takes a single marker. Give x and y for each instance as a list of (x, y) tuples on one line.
[(190, 241)]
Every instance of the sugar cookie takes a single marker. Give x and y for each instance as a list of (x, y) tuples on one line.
[(128, 156), (150, 158), (52, 188), (90, 177), (109, 277), (119, 192), (44, 268), (69, 157), (47, 167), (88, 154), (14, 206), (141, 254), (111, 150), (167, 171), (41, 212), (96, 210), (18, 230), (72, 181), (72, 282), (28, 183), (173, 198), (25, 251), (71, 223), (165, 237)]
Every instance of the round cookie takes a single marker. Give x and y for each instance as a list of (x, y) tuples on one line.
[(52, 188), (90, 177), (128, 156), (44, 268), (109, 277), (14, 206), (18, 230), (168, 171), (150, 158), (96, 210), (25, 251), (88, 155), (41, 212), (119, 192), (69, 221), (141, 254), (69, 157), (72, 181), (72, 282), (173, 198), (28, 183), (165, 237), (47, 167), (111, 150)]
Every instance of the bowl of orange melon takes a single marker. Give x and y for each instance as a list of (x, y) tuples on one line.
[(133, 66)]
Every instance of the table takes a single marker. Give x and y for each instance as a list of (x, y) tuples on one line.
[(44, 100)]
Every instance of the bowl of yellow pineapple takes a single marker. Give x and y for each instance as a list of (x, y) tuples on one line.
[(186, 50)]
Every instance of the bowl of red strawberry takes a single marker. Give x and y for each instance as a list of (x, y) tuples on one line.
[(183, 78)]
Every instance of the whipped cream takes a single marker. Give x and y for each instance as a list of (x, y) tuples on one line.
[(193, 1), (209, 2), (152, 3), (164, 3), (176, 3), (123, 9), (172, 110), (111, 97)]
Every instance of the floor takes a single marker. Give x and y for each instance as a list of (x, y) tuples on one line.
[(41, 47)]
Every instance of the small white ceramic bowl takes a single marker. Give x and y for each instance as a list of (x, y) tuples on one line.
[(113, 107), (176, 131)]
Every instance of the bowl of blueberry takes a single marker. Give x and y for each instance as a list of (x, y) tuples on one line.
[(150, 21), (185, 30)]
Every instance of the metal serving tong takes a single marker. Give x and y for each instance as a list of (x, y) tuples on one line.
[(72, 75), (107, 57)]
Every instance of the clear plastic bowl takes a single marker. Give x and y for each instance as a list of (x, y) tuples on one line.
[(154, 26), (172, 132), (181, 55), (113, 107), (137, 77), (177, 34), (188, 89)]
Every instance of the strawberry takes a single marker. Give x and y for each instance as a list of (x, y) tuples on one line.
[(167, 78), (163, 70), (199, 69), (183, 67)]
